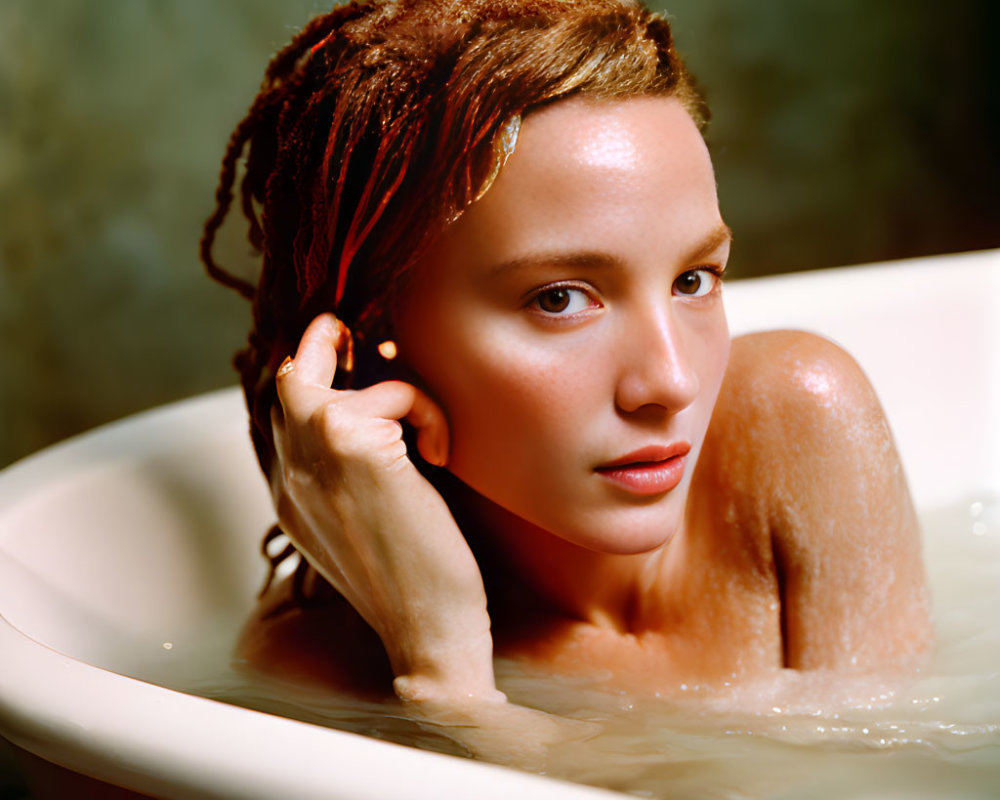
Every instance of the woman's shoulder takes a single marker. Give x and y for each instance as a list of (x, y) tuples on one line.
[(787, 397), (795, 413), (792, 371), (800, 442)]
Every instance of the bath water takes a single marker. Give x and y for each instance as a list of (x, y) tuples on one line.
[(932, 734)]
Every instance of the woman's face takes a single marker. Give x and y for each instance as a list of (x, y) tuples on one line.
[(571, 325)]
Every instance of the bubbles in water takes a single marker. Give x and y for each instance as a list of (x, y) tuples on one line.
[(985, 516)]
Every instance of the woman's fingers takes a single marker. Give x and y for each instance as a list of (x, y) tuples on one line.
[(314, 365), (395, 400), (304, 388), (278, 433), (316, 357)]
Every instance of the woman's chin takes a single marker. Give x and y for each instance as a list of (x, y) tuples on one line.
[(609, 527), (632, 543), (619, 532)]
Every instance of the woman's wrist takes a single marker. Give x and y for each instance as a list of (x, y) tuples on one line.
[(458, 669), (427, 689)]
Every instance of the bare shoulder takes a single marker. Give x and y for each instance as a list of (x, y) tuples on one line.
[(802, 439), (800, 423), (323, 642), (787, 398), (797, 372)]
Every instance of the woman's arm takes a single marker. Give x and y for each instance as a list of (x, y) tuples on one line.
[(356, 508), (844, 534)]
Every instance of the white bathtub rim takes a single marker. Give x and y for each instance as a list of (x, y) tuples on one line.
[(211, 411), (188, 750)]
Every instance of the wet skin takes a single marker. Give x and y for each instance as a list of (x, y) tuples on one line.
[(667, 504)]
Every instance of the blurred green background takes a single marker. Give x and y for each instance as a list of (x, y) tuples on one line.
[(844, 132)]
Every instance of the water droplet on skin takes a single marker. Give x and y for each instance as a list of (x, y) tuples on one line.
[(168, 645)]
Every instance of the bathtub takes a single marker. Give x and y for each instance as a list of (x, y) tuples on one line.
[(118, 542)]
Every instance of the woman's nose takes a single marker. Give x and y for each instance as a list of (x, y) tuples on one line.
[(656, 368)]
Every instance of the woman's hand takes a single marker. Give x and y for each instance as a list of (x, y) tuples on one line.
[(357, 509)]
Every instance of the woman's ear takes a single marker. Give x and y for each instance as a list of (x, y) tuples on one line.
[(426, 417), (429, 421)]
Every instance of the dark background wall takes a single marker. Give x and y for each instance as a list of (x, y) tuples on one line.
[(845, 132)]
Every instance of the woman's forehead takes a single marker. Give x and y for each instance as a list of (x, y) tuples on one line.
[(588, 171), (612, 133)]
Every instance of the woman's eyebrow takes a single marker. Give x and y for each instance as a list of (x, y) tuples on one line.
[(720, 235), (591, 259)]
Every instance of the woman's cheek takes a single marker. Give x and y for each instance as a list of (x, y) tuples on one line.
[(511, 408), (716, 359), (709, 334)]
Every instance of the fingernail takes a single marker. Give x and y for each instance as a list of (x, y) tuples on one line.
[(286, 366)]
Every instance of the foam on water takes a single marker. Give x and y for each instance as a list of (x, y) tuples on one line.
[(929, 735)]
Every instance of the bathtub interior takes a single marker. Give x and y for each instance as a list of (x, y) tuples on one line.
[(120, 542)]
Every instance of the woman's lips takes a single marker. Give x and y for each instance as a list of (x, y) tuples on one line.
[(648, 471)]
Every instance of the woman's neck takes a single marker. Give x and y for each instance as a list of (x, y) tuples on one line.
[(624, 593)]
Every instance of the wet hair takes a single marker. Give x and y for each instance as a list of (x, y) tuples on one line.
[(375, 128)]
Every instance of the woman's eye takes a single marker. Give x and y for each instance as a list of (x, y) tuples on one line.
[(696, 282), (562, 300)]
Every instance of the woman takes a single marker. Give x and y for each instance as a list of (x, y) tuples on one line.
[(497, 223)]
